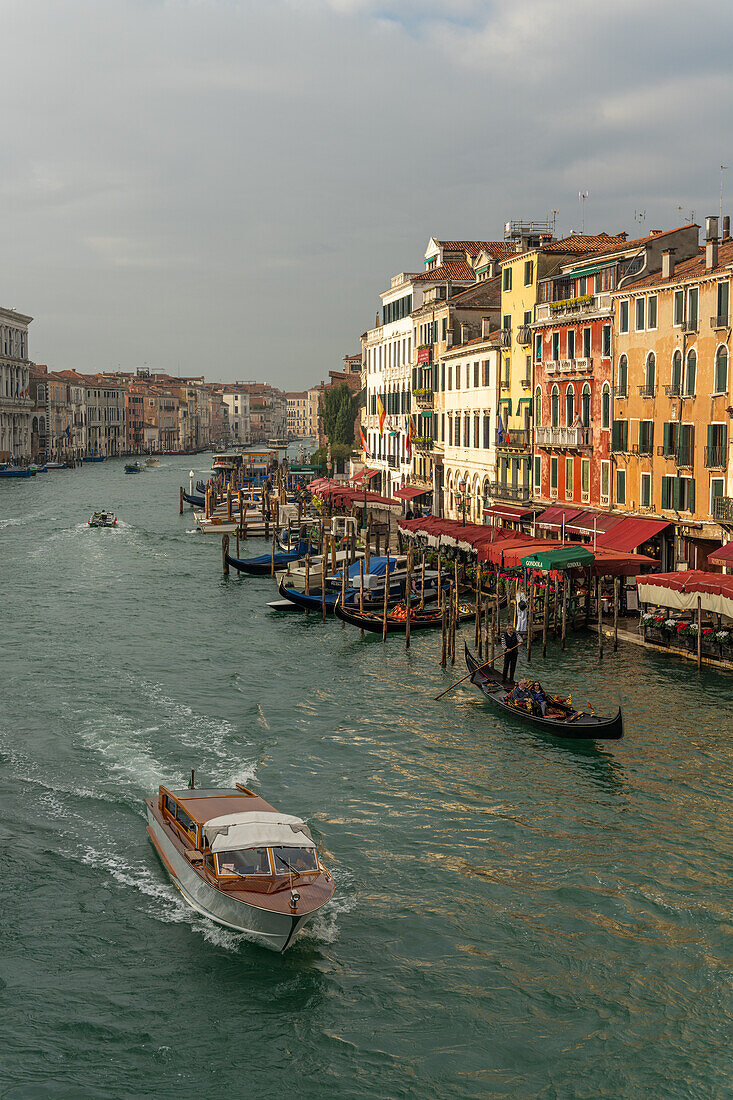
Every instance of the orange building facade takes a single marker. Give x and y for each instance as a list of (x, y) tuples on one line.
[(673, 401)]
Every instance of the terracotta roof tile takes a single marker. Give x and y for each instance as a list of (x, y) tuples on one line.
[(587, 242), (496, 248), (451, 269), (692, 268)]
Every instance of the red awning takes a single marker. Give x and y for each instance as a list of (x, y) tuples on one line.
[(509, 511), (723, 555), (410, 492), (588, 522), (631, 532), (682, 589), (363, 475), (553, 517)]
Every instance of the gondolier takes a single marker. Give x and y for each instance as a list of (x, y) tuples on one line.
[(509, 647)]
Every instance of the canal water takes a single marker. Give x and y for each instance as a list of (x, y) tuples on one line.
[(514, 916)]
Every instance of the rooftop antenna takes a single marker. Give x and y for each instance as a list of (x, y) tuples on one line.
[(723, 168), (582, 196), (553, 219)]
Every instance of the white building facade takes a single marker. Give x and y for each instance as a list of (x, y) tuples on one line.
[(237, 404), (16, 405)]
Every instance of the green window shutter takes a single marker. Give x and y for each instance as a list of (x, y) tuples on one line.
[(710, 436), (691, 494), (667, 445), (615, 435), (665, 492), (724, 442), (677, 493)]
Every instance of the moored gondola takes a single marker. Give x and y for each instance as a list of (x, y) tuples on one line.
[(261, 566), (576, 724), (397, 618), (191, 498)]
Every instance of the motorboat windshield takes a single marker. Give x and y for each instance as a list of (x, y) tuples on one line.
[(294, 860)]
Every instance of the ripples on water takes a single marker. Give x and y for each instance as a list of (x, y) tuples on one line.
[(514, 916)]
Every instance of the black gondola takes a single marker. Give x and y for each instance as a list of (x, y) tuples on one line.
[(576, 724), (373, 620), (191, 498)]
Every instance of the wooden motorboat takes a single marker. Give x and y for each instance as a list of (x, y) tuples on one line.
[(94, 458), (238, 861), (562, 719), (420, 618), (151, 460), (103, 519)]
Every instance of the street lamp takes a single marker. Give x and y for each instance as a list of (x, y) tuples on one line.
[(462, 485)]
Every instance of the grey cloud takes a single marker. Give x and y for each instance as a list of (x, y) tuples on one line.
[(226, 186)]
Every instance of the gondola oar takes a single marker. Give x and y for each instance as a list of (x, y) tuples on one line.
[(486, 665)]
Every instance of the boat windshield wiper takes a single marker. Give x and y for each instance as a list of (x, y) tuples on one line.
[(289, 867)]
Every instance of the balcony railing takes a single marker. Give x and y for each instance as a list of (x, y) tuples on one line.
[(392, 462), (723, 509), (552, 366), (573, 307), (621, 391), (563, 438), (647, 391), (499, 491), (716, 457), (642, 448), (675, 390), (514, 437), (721, 321), (524, 335), (423, 444), (505, 337), (684, 457), (575, 366), (690, 324), (665, 452), (423, 398)]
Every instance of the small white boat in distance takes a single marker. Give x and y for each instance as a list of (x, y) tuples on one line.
[(103, 519), (238, 861)]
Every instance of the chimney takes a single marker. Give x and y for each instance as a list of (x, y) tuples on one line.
[(711, 228), (485, 328), (711, 253), (726, 226), (464, 332), (668, 263)]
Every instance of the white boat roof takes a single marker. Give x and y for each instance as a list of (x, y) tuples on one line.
[(256, 829)]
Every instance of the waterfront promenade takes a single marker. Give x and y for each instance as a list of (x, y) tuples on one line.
[(513, 916)]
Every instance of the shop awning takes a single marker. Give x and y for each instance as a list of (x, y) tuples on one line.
[(553, 517), (588, 522), (363, 475), (560, 558), (409, 492), (509, 511), (723, 555), (681, 590), (631, 532)]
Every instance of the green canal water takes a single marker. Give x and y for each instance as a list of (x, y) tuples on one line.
[(514, 916)]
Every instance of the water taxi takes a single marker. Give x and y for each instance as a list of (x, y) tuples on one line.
[(103, 519), (152, 461), (238, 861)]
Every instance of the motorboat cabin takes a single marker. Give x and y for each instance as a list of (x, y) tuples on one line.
[(103, 519), (240, 862)]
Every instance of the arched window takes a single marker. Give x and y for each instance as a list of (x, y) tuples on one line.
[(721, 370), (570, 405), (34, 425), (537, 407), (691, 373), (676, 373), (606, 406), (555, 407), (585, 405), (650, 376), (623, 376)]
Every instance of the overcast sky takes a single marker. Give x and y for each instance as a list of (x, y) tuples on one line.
[(224, 187)]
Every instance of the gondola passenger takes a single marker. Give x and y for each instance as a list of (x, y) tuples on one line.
[(539, 698)]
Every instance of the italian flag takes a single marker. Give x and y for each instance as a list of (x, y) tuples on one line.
[(381, 413), (364, 445)]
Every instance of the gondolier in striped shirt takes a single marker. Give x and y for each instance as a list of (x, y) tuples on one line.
[(509, 647)]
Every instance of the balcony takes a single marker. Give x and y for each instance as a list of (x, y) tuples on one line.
[(642, 449), (621, 391), (684, 457), (392, 462), (663, 452), (423, 444), (723, 509), (421, 482), (647, 391), (519, 493), (526, 382), (505, 337), (575, 366), (690, 324), (423, 398), (721, 321), (675, 390), (563, 439), (552, 366), (524, 335), (515, 439), (570, 308), (716, 457)]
